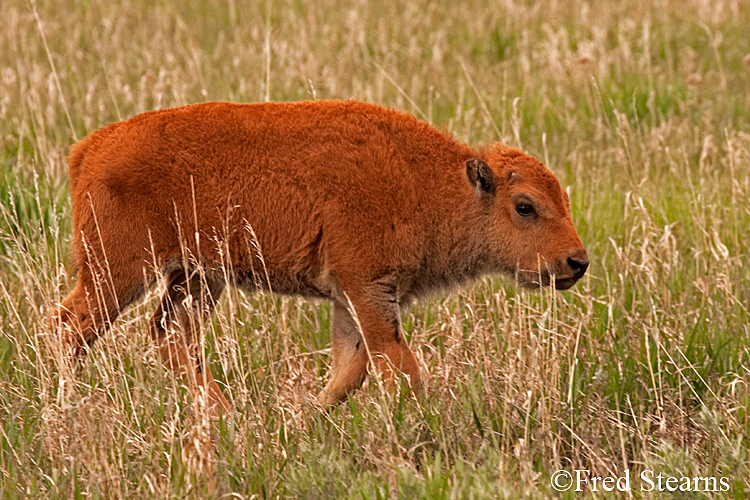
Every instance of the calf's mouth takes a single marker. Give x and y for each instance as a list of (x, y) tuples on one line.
[(545, 278), (565, 283)]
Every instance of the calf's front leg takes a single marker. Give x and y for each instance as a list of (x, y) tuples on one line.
[(378, 315)]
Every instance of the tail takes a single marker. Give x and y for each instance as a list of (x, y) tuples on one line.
[(77, 154), (76, 157)]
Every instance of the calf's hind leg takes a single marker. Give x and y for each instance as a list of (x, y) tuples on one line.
[(176, 327), (89, 310)]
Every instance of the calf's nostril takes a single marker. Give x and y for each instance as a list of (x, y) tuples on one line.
[(578, 265)]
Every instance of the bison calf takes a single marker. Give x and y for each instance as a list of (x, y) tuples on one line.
[(362, 205)]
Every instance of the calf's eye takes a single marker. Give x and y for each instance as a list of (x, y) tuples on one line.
[(524, 209)]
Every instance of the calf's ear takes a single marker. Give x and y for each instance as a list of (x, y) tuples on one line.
[(481, 177)]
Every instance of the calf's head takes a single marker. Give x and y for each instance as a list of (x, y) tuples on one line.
[(526, 215)]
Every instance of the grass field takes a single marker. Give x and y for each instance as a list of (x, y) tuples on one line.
[(642, 110)]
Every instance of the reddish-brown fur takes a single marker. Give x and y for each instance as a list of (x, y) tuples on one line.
[(352, 202)]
